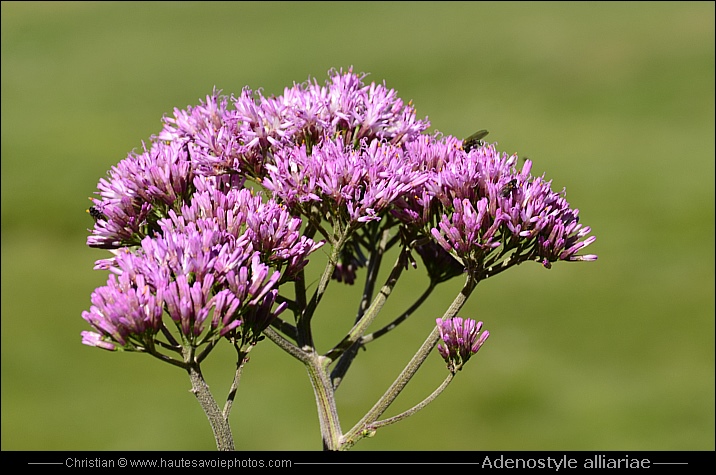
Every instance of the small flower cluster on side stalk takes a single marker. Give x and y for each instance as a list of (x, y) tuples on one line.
[(461, 338), (211, 225)]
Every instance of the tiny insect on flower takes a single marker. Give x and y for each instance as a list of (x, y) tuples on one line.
[(474, 140), (96, 213), (509, 187)]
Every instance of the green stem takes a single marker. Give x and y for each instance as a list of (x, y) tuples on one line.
[(347, 349), (374, 261), (359, 328), (404, 316), (219, 424), (316, 366), (325, 401), (243, 357), (360, 430), (414, 409), (303, 325), (286, 345), (348, 354)]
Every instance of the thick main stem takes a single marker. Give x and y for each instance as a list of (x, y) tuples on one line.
[(317, 368), (325, 401), (219, 424)]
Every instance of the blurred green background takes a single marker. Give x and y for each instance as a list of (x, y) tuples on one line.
[(612, 100)]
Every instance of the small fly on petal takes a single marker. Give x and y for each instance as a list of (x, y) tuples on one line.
[(474, 141), (509, 187), (96, 213)]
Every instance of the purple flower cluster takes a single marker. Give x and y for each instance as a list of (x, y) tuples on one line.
[(478, 207), (138, 190), (351, 185), (194, 242), (241, 139), (208, 268), (461, 338)]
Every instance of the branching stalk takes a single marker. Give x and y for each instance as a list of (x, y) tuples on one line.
[(359, 328), (358, 431), (349, 354), (391, 420), (219, 423), (303, 325), (242, 359), (402, 317)]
